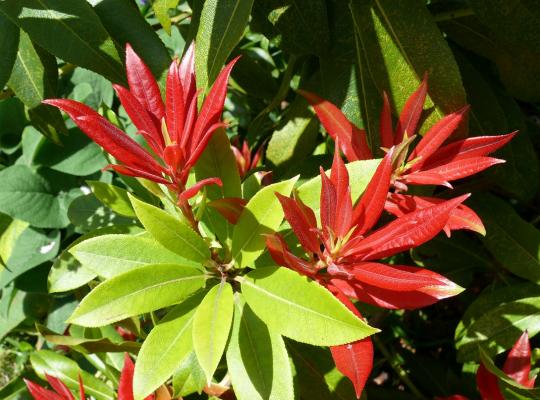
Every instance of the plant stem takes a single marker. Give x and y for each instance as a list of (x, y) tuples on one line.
[(394, 363)]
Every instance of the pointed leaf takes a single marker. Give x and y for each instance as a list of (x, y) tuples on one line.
[(127, 295), (301, 222), (412, 110), (113, 197), (518, 362), (262, 215), (257, 358), (211, 325), (172, 233), (457, 169), (314, 315)]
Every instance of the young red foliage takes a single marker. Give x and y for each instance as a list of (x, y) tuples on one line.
[(429, 163), (175, 131), (341, 256)]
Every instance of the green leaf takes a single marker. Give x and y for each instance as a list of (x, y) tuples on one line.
[(78, 156), (67, 273), (171, 232), (88, 345), (114, 197), (112, 255), (397, 41), (211, 326), (31, 248), (221, 26), (295, 138), (360, 173), (9, 42), (218, 161), (161, 10), (189, 377), (300, 308), (12, 124), (511, 240), (136, 292), (124, 22), (70, 30), (61, 367), (87, 214), (27, 196), (262, 215), (167, 345), (257, 359), (15, 312), (300, 26)]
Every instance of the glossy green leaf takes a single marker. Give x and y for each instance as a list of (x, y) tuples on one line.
[(112, 255), (61, 367), (211, 326), (165, 348), (511, 240), (124, 22), (78, 156), (221, 26), (257, 359), (70, 30), (136, 292), (87, 214), (171, 232), (218, 160), (295, 138), (189, 377), (161, 9), (112, 196), (300, 308), (360, 173), (396, 43), (9, 42), (28, 196), (67, 273), (262, 215)]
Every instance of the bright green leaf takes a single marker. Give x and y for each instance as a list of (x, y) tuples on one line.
[(257, 359), (262, 215), (211, 326), (189, 377), (161, 9), (171, 232), (165, 348), (114, 197), (136, 292), (300, 308)]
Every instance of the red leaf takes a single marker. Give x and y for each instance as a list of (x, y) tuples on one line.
[(186, 71), (59, 387), (461, 217), (338, 126), (354, 360), (405, 232), (229, 207), (213, 105), (467, 148), (518, 363), (280, 253), (453, 397), (40, 393), (125, 388), (174, 103), (410, 115), (457, 169), (203, 142), (71, 107), (143, 85), (129, 171), (81, 389), (193, 190), (118, 144), (487, 384), (191, 116), (393, 277), (369, 208), (328, 204), (436, 136), (385, 125), (426, 178), (340, 178), (140, 118), (408, 300), (302, 221)]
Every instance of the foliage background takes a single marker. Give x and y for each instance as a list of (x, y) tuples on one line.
[(481, 52)]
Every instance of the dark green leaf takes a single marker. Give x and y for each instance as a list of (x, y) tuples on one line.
[(9, 41)]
